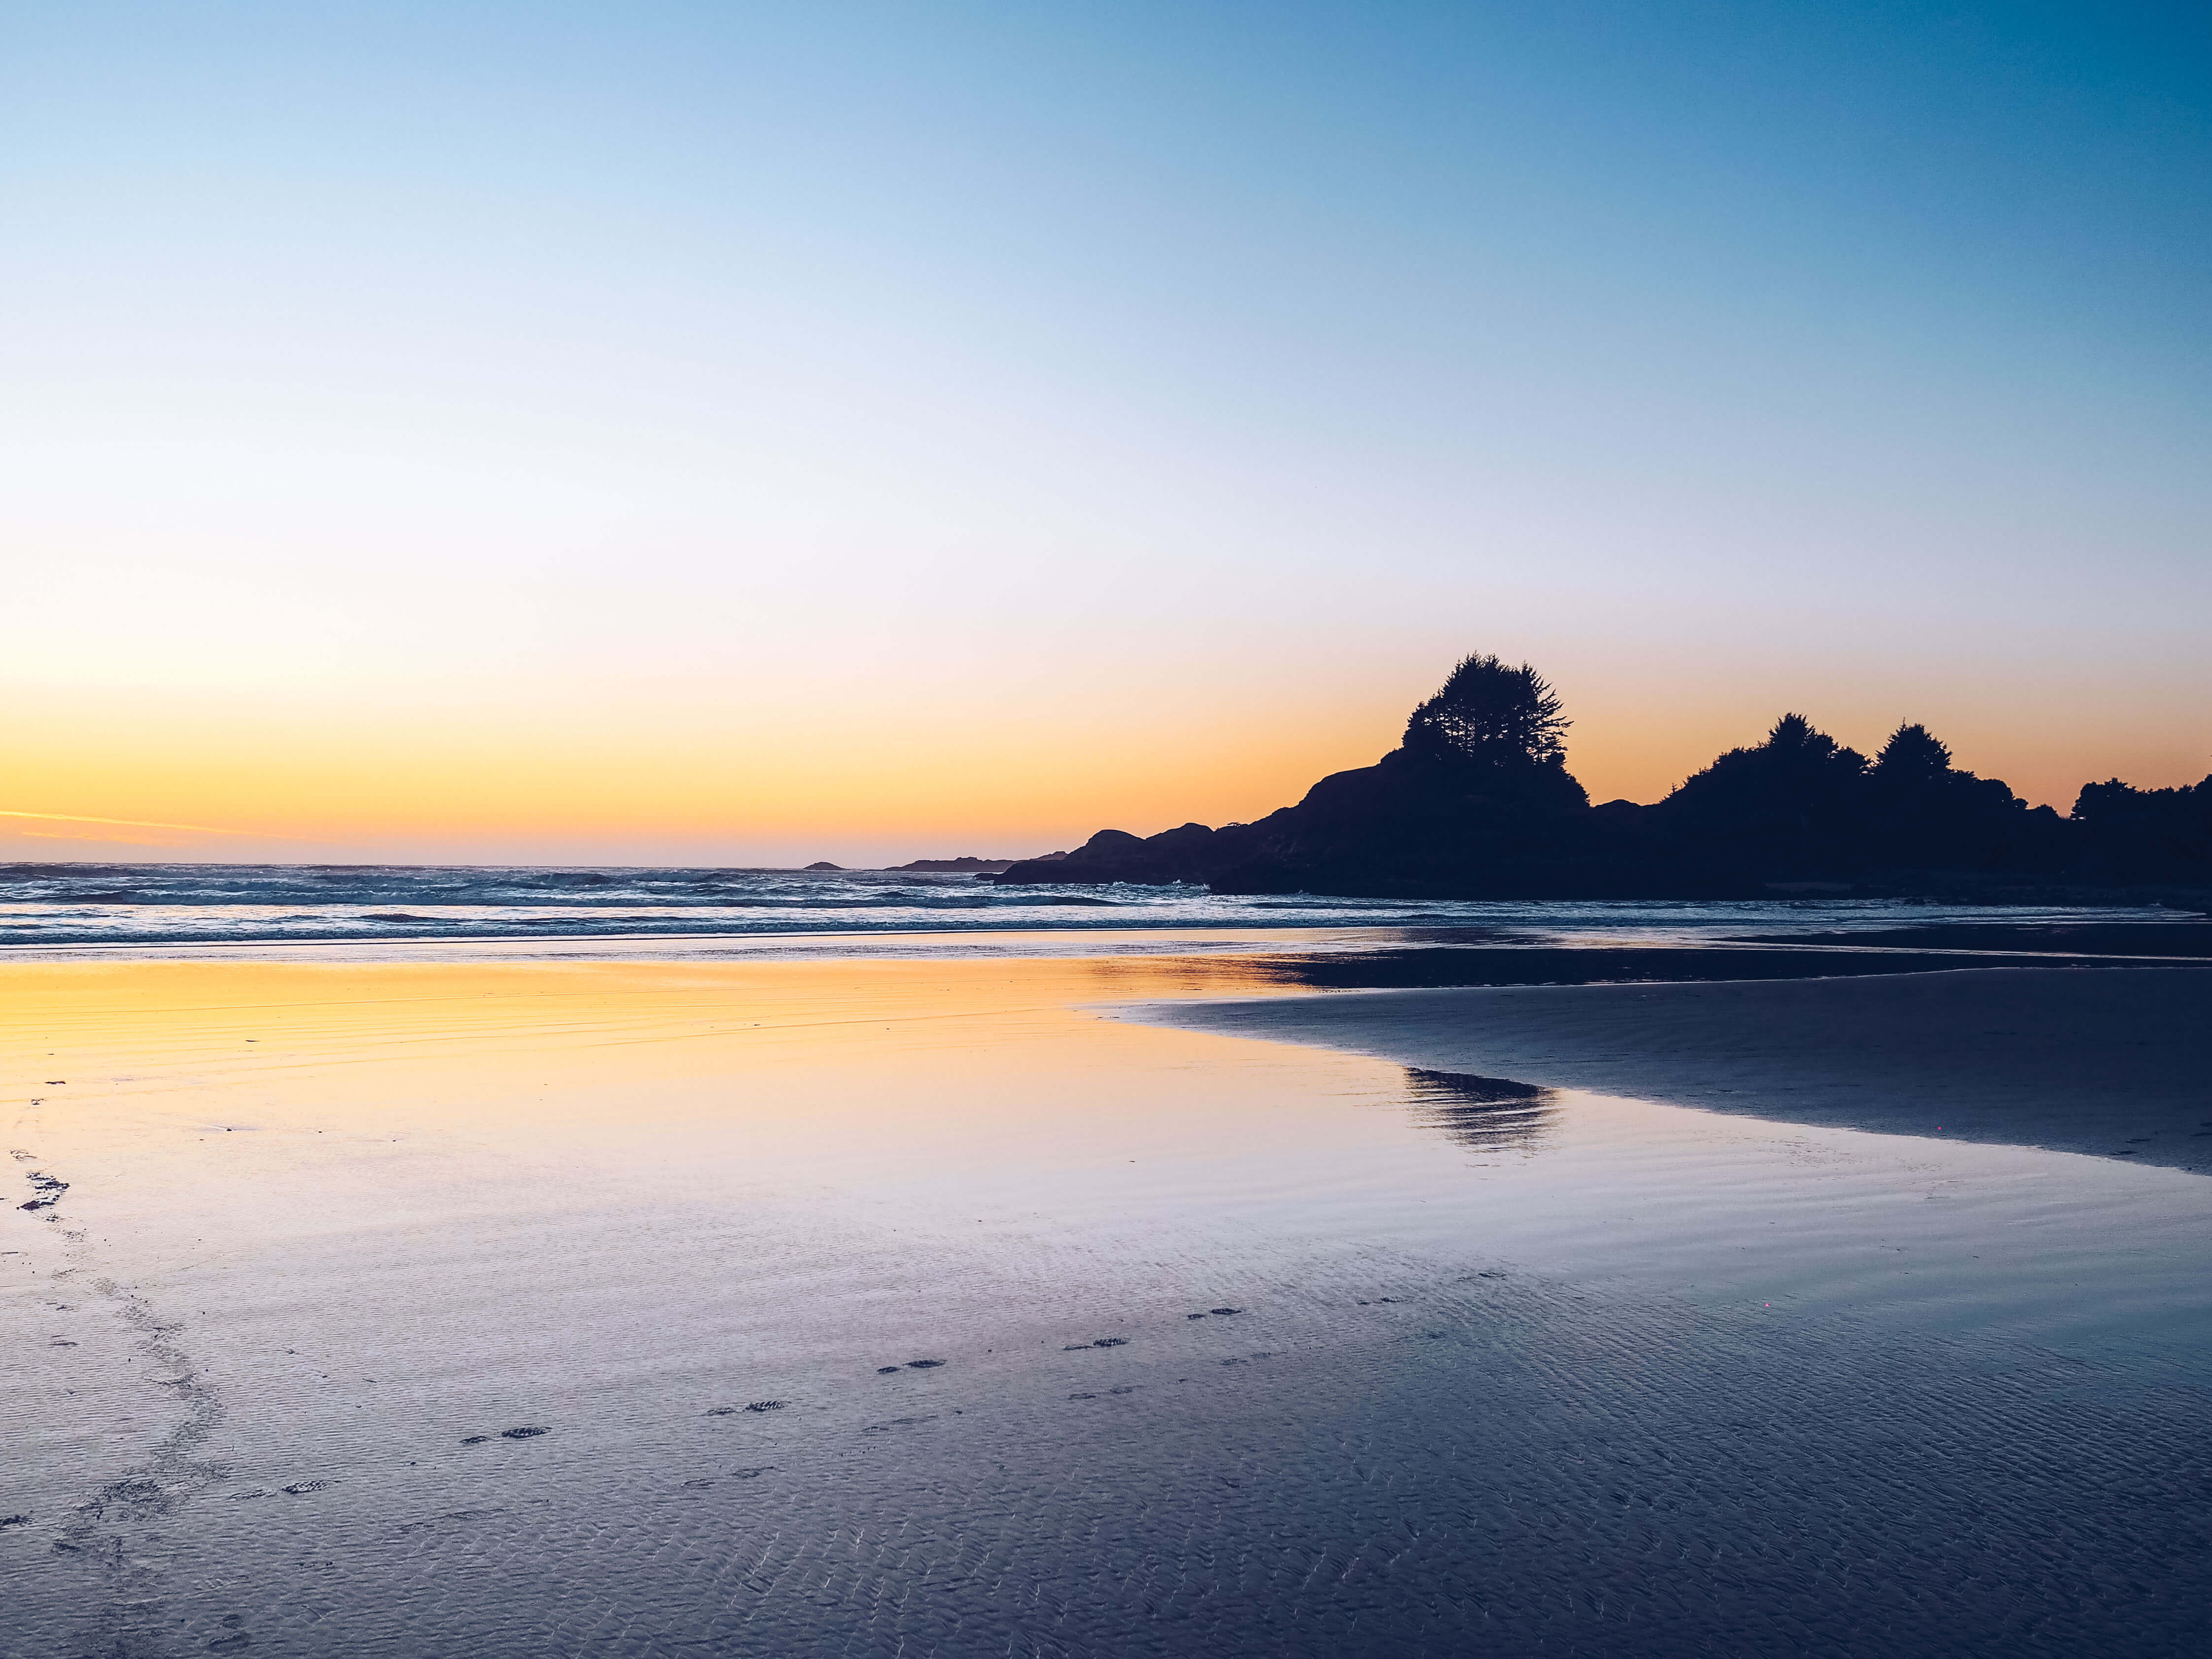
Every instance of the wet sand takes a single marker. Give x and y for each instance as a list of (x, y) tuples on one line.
[(919, 1308), (2111, 1061)]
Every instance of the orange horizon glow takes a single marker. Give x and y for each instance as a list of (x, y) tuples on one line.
[(706, 786)]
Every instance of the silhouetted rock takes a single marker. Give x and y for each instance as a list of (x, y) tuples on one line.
[(1417, 822), (1112, 855), (963, 866), (825, 865), (1476, 802)]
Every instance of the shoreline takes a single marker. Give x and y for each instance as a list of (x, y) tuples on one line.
[(2107, 1061)]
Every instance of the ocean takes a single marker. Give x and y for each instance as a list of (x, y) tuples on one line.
[(714, 911)]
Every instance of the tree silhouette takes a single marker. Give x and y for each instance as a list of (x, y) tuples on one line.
[(2138, 835), (1925, 813), (1486, 711), (1798, 774), (1790, 805), (1913, 754)]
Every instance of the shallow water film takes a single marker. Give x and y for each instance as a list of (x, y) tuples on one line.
[(944, 1307)]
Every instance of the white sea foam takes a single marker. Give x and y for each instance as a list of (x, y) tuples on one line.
[(185, 905)]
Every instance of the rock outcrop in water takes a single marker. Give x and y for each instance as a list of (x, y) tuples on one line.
[(1476, 802)]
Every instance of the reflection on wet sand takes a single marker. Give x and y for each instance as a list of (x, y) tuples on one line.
[(914, 1307), (2106, 1060), (1488, 1114)]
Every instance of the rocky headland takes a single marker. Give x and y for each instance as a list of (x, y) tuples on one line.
[(1476, 802)]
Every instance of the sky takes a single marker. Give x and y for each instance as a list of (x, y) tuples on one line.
[(664, 433)]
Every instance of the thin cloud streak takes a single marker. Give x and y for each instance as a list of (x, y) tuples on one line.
[(150, 824), (100, 841)]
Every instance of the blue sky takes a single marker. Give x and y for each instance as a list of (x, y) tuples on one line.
[(1145, 402)]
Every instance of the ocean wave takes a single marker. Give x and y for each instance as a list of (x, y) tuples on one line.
[(177, 904)]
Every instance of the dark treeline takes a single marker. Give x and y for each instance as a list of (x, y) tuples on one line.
[(1477, 802)]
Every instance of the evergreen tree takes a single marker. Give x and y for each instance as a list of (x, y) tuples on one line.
[(1490, 713), (1911, 755), (1790, 806)]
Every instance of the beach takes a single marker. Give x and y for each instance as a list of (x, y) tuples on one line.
[(1089, 1304), (1106, 832)]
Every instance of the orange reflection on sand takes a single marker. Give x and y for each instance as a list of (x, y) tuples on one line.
[(244, 1100)]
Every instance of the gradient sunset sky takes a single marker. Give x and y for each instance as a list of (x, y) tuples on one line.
[(657, 433)]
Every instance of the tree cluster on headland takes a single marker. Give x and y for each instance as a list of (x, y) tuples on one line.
[(1477, 802)]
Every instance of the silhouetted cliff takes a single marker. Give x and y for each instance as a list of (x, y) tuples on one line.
[(1476, 802)]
